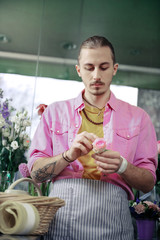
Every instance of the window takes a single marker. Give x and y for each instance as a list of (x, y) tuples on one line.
[(28, 92)]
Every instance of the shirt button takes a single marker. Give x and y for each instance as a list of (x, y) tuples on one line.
[(76, 125), (57, 131), (128, 136)]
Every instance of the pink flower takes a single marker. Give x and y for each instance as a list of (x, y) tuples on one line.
[(99, 145), (149, 203), (158, 145), (41, 109), (23, 168), (145, 209), (152, 206), (140, 208)]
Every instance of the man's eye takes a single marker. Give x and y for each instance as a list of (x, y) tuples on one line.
[(104, 68), (89, 69)]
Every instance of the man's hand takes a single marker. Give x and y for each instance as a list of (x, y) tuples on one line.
[(138, 178), (108, 161), (81, 146)]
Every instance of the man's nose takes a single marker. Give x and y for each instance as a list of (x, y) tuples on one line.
[(96, 74)]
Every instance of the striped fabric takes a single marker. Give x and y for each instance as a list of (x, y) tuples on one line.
[(94, 210)]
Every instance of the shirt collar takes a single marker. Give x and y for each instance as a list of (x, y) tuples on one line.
[(79, 103), (113, 102)]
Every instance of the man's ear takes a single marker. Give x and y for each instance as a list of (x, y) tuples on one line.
[(78, 70), (115, 69)]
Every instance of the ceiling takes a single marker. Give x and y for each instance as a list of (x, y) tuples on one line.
[(42, 37)]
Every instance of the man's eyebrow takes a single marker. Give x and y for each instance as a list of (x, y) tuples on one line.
[(91, 64), (105, 63), (88, 64)]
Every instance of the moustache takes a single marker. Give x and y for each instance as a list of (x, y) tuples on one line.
[(97, 82)]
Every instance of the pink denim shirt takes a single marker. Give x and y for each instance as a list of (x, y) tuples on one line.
[(130, 132)]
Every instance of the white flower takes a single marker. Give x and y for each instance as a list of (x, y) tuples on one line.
[(13, 119), (26, 123), (2, 121), (4, 142), (134, 204), (23, 129), (14, 145), (21, 135), (17, 128), (6, 132), (10, 138), (25, 113), (20, 116), (24, 136)]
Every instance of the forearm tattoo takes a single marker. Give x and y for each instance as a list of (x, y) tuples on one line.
[(45, 173)]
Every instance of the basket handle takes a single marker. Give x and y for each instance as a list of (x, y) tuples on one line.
[(26, 180)]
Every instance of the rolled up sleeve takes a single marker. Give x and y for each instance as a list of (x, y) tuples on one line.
[(146, 153)]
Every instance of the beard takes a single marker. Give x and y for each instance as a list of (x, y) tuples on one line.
[(98, 92)]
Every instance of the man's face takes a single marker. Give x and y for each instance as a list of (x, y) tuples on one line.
[(96, 69)]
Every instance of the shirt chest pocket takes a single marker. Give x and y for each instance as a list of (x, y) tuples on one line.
[(128, 134), (127, 140), (59, 135)]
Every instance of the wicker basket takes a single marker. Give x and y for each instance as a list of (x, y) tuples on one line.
[(46, 206)]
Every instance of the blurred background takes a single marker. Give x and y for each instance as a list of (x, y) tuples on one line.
[(40, 39)]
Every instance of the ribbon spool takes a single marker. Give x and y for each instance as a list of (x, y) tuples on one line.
[(18, 218)]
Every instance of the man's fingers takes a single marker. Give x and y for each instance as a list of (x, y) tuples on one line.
[(84, 150), (108, 162), (85, 139), (107, 166), (106, 156)]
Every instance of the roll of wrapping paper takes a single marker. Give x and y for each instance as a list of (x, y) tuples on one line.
[(18, 218)]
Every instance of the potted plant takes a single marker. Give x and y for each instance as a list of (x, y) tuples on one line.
[(146, 214)]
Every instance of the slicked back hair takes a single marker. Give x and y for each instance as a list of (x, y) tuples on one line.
[(96, 42)]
